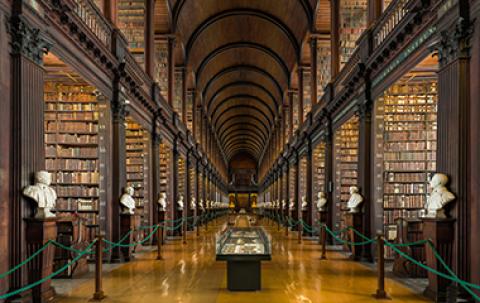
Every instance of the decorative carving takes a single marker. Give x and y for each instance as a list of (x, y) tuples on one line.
[(455, 44), (27, 41)]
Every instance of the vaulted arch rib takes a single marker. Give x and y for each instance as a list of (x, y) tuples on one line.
[(249, 117), (243, 44), (242, 67), (241, 147), (240, 83), (242, 13), (223, 133), (245, 139), (244, 132), (241, 96), (232, 147), (180, 3), (241, 106)]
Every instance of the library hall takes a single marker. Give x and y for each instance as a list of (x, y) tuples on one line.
[(239, 151)]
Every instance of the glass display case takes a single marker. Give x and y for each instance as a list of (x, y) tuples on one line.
[(243, 248)]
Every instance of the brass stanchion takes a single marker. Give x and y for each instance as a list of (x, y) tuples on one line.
[(381, 294), (323, 235), (197, 227), (159, 242), (287, 226), (184, 227), (300, 231), (206, 222), (99, 294)]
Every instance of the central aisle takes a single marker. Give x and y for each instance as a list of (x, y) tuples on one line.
[(189, 273)]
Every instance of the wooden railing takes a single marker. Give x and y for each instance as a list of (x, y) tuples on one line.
[(394, 14), (94, 19)]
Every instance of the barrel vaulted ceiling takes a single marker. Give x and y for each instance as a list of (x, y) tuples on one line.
[(240, 56)]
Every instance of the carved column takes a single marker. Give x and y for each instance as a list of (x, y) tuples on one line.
[(173, 204), (290, 100), (454, 129), (27, 142), (309, 180), (171, 69), (329, 177), (374, 11), (300, 95), (110, 10), (156, 139), (364, 169), (184, 95), (149, 38), (118, 175), (335, 36), (313, 70)]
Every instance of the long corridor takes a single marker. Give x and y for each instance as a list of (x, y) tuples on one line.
[(189, 273)]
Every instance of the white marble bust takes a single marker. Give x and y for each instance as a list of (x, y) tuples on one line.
[(207, 204), (284, 204), (304, 203), (162, 201), (291, 205), (321, 201), (127, 201), (439, 197), (180, 202), (42, 194), (193, 203), (200, 204), (355, 200)]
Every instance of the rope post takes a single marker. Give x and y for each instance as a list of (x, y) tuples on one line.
[(184, 227), (197, 227), (99, 294), (206, 222), (159, 242), (323, 235), (381, 294), (287, 226), (278, 222)]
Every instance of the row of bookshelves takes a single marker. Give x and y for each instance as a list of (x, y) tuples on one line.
[(426, 155), (57, 151), (401, 200), (65, 139), (79, 127), (75, 177)]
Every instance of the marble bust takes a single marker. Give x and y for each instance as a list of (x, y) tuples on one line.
[(304, 203), (193, 203), (439, 197), (207, 204), (321, 201), (162, 201), (355, 200), (200, 204), (291, 204), (127, 202), (42, 194), (284, 204), (180, 202)]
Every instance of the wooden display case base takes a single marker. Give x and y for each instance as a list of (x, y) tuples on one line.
[(127, 223), (354, 220)]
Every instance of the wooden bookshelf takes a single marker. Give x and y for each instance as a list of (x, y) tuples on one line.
[(303, 178), (353, 21), (406, 122), (307, 92), (177, 100), (296, 118), (318, 170), (324, 57), (291, 183), (181, 179), (161, 67), (137, 151), (131, 21), (346, 167)]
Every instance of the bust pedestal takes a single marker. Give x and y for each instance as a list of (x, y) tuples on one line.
[(161, 219), (306, 220), (440, 232), (354, 220), (291, 214), (39, 232), (127, 223), (322, 219)]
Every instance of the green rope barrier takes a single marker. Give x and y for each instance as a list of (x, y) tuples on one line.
[(113, 244), (32, 285), (348, 242), (15, 268)]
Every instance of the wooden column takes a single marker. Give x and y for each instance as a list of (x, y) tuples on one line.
[(155, 148), (298, 199), (329, 177), (300, 96), (365, 170), (149, 38), (335, 36), (454, 139), (309, 195), (26, 146), (313, 70), (110, 10), (194, 114), (173, 205), (184, 95), (290, 99), (374, 11), (171, 69), (118, 175)]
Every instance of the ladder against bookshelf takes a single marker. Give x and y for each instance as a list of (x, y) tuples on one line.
[(346, 167), (406, 125), (353, 21), (137, 163)]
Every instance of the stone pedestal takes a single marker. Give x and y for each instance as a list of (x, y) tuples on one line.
[(306, 221), (127, 223), (161, 219), (354, 220), (441, 233), (39, 232)]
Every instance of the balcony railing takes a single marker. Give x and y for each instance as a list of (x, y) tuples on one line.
[(94, 19), (393, 15)]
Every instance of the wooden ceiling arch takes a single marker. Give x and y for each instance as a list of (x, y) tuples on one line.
[(240, 56)]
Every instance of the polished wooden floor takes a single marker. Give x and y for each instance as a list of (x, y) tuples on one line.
[(189, 273)]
